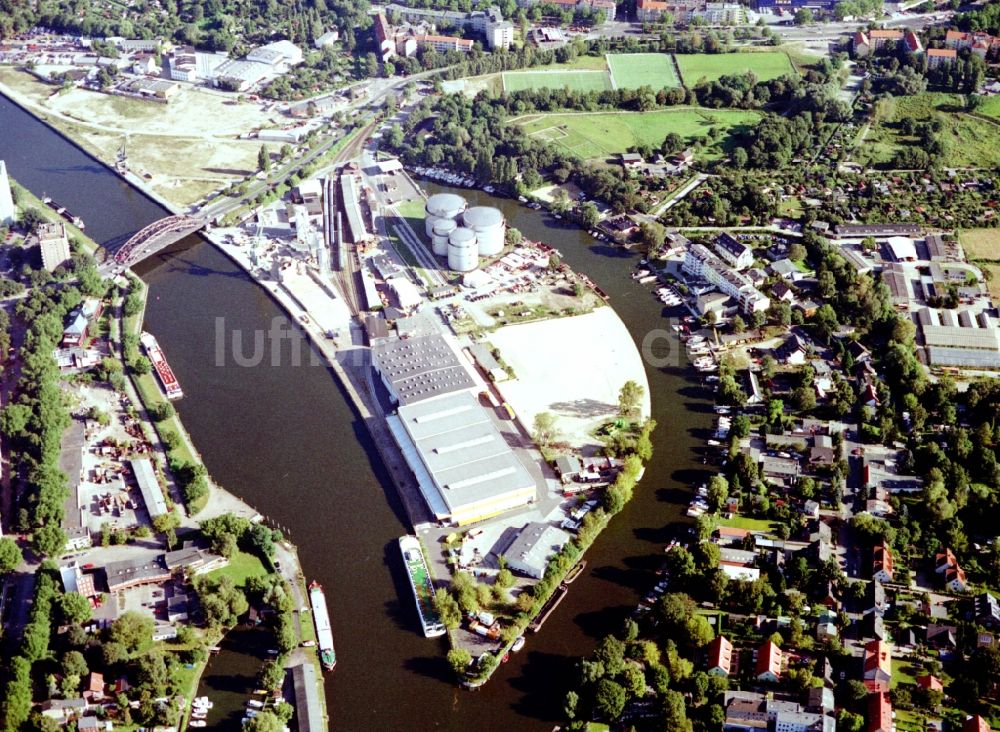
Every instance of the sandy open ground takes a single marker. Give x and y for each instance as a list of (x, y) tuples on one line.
[(184, 149), (572, 367)]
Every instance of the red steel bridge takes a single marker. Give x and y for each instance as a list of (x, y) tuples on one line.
[(155, 237)]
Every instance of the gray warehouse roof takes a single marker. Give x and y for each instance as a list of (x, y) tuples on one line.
[(149, 486), (420, 368), (534, 546), (307, 707), (464, 453)]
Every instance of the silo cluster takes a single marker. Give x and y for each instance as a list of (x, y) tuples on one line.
[(488, 224), (463, 250), (460, 234), (442, 206)]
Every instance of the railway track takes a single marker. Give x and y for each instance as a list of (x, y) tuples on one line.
[(348, 277)]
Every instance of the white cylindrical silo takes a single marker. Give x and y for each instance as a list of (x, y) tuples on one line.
[(445, 205), (488, 223), (463, 253), (439, 237), (429, 222)]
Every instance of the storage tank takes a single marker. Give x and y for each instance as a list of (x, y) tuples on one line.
[(463, 253), (445, 205), (439, 237), (429, 222), (488, 223)]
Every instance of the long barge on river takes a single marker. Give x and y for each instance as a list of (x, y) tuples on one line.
[(420, 583), (166, 374), (64, 212), (324, 633)]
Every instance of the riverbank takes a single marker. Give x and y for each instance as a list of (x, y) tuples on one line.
[(146, 395)]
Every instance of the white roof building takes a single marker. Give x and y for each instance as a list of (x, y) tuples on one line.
[(464, 467), (406, 292), (149, 486), (6, 200), (279, 53), (327, 39)]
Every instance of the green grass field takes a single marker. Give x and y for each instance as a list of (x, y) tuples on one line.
[(633, 70), (600, 135), (970, 142), (578, 81), (990, 107), (711, 66)]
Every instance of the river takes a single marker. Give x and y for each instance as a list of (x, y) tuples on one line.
[(284, 438)]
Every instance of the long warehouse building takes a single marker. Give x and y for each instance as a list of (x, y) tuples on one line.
[(465, 469), (350, 201)]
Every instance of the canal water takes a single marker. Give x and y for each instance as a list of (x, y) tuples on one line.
[(282, 436)]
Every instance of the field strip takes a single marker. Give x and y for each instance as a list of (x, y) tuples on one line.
[(611, 71)]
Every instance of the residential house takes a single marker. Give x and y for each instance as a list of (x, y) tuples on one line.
[(942, 637), (877, 663), (63, 710), (826, 626), (792, 351), (874, 627), (930, 682), (882, 564), (986, 610), (786, 270), (93, 689), (632, 161), (880, 713), (783, 293), (768, 666), (975, 723), (735, 253), (720, 656), (875, 601), (941, 57), (947, 565)]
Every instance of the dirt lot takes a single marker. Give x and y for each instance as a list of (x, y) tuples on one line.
[(185, 149), (602, 355)]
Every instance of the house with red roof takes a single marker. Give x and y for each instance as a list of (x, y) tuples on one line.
[(930, 682), (720, 656), (878, 661), (93, 690), (883, 568), (941, 57), (879, 713), (975, 723), (768, 667), (912, 43), (946, 564)]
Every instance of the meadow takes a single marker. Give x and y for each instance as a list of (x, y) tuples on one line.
[(600, 135), (578, 81), (766, 65), (970, 141)]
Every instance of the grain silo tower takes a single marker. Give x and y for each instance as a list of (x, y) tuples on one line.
[(488, 223), (442, 206), (463, 252), (439, 237)]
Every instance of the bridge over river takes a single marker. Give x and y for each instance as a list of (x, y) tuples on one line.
[(154, 238)]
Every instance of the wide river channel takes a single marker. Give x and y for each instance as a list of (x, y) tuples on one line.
[(283, 436)]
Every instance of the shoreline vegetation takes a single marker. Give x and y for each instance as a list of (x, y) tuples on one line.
[(248, 546)]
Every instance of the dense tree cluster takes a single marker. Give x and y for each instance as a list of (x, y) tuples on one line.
[(217, 25)]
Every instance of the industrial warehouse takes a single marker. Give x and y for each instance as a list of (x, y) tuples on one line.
[(465, 469)]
